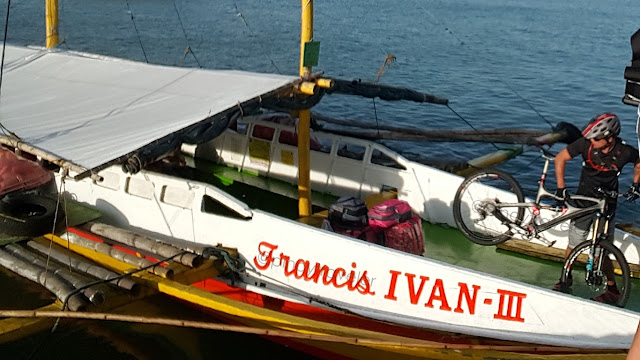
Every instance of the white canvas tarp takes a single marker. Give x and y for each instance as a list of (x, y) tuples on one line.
[(90, 109)]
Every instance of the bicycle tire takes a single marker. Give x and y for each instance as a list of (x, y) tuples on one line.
[(474, 189), (576, 266)]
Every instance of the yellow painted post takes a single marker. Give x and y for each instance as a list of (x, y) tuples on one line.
[(51, 23), (304, 118)]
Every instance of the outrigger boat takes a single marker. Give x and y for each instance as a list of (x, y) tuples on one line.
[(346, 166), (286, 262), (106, 125)]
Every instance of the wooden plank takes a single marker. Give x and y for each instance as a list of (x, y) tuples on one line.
[(551, 253), (532, 249)]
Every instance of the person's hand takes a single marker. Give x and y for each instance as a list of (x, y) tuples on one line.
[(633, 193), (561, 196)]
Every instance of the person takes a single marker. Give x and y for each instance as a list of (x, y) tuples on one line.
[(634, 350), (604, 155)]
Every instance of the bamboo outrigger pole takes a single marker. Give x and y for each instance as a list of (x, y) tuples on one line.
[(304, 117), (51, 23)]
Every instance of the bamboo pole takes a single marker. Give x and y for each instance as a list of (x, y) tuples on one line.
[(81, 266), (523, 137), (415, 343), (18, 144), (62, 290), (505, 136), (143, 243), (93, 293), (304, 118), (51, 23), (119, 255)]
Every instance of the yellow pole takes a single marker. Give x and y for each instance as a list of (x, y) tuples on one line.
[(304, 118), (51, 23)]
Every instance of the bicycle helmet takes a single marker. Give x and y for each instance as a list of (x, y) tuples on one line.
[(602, 126)]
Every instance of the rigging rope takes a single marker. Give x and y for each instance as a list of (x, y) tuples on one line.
[(137, 33), (388, 60), (4, 42), (468, 123), (239, 14), (3, 129), (184, 32), (462, 43), (526, 102)]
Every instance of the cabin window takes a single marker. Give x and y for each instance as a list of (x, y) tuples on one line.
[(140, 188), (211, 206), (288, 138), (263, 132), (321, 144), (382, 159), (109, 180), (351, 151), (177, 197)]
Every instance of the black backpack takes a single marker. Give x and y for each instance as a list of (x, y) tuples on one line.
[(348, 212)]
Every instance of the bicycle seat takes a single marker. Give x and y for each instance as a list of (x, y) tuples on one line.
[(547, 154)]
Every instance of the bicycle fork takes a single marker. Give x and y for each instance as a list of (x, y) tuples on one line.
[(594, 273)]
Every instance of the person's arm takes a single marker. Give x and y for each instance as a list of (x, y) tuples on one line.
[(560, 162), (634, 351), (636, 173)]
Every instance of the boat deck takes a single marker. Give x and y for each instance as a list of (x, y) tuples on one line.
[(517, 260)]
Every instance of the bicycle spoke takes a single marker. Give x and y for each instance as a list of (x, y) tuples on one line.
[(475, 204), (592, 284)]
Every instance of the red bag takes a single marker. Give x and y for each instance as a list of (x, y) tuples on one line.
[(406, 236), (363, 233), (389, 213)]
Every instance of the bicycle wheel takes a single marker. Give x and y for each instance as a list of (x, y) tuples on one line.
[(589, 286), (480, 191)]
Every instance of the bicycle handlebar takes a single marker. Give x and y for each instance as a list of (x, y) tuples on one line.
[(609, 193)]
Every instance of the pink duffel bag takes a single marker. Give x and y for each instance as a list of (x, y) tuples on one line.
[(389, 213)]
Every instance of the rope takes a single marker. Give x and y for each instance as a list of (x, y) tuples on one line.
[(4, 42), (239, 14), (234, 264), (439, 23), (55, 221), (468, 123), (462, 43), (375, 113), (137, 32), (184, 32), (388, 60), (526, 102)]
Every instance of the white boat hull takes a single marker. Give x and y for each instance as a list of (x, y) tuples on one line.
[(298, 262), (429, 191)]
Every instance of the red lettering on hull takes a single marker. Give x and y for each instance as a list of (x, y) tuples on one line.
[(303, 270), (510, 312)]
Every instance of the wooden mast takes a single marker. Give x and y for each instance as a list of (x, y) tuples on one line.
[(304, 117), (51, 23)]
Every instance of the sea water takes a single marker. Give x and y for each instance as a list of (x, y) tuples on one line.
[(503, 64)]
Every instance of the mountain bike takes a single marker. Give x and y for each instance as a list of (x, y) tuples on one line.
[(490, 208)]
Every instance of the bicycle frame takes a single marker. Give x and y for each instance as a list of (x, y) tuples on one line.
[(535, 223), (489, 208)]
